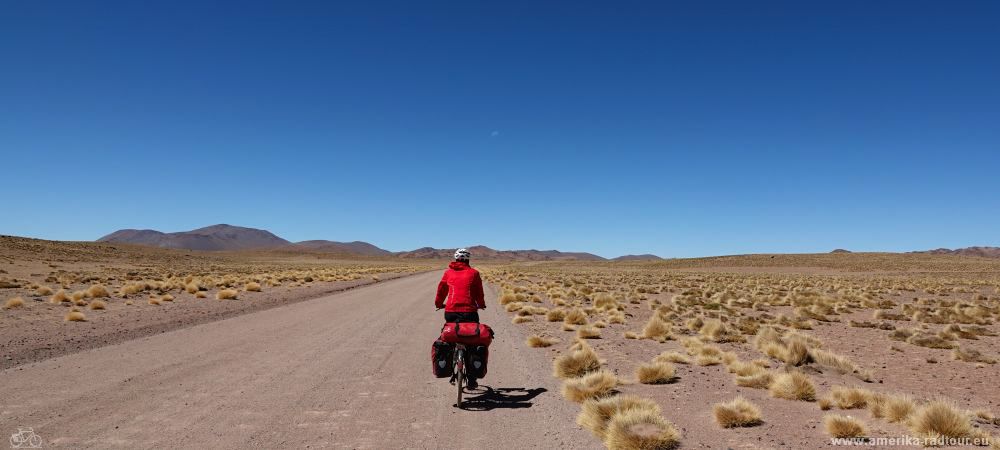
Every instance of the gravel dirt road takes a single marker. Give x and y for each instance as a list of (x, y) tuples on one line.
[(349, 370)]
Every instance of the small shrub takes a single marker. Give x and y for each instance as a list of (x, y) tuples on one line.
[(793, 386), (591, 385), (98, 304), (539, 341), (656, 373), (640, 429), (227, 294), (75, 316), (737, 413), (16, 302), (844, 426)]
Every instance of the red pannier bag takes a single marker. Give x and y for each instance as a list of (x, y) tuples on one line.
[(467, 333)]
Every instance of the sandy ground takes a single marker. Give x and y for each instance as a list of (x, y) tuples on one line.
[(790, 424), (349, 370)]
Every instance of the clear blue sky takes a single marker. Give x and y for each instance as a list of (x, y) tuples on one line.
[(614, 127)]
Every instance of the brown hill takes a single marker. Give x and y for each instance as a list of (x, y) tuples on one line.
[(215, 237), (355, 247), (983, 252), (485, 253), (643, 257)]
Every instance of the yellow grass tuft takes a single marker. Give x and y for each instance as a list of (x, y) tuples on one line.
[(640, 429), (737, 413), (591, 385), (656, 372), (16, 302), (154, 301), (575, 316), (850, 398), (940, 419), (255, 287), (200, 294), (59, 297), (759, 381), (555, 315), (588, 332), (43, 290), (75, 316), (656, 329), (540, 341), (844, 426), (98, 291), (673, 357), (227, 294), (793, 386), (577, 362), (597, 413), (98, 304), (899, 408)]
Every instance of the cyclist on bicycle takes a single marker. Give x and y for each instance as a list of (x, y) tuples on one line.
[(460, 293)]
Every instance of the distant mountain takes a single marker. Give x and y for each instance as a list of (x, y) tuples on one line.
[(215, 237), (985, 252), (840, 250), (643, 257), (483, 252), (355, 247), (229, 237)]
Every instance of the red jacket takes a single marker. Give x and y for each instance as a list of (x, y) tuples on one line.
[(465, 286)]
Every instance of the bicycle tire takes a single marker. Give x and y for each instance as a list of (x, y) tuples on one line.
[(460, 373)]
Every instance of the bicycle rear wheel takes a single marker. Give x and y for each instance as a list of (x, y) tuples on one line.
[(460, 373)]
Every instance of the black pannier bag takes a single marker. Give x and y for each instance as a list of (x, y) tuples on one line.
[(442, 357), (477, 360)]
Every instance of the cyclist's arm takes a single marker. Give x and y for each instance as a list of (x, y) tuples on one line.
[(442, 293), (477, 292)]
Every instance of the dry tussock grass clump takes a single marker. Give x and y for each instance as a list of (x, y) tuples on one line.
[(940, 419), (844, 426), (588, 332), (793, 386), (98, 291), (899, 408), (591, 385), (656, 372), (737, 413), (43, 291), (673, 357), (155, 301), (98, 305), (849, 398), (597, 413), (521, 319), (555, 315), (75, 316), (971, 355), (540, 341), (761, 380), (575, 316), (59, 297), (640, 429), (15, 302), (656, 329), (580, 360), (227, 294), (252, 287)]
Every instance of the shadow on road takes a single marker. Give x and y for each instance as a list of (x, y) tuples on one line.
[(486, 398)]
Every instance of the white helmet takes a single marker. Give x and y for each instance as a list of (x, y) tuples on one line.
[(462, 255)]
